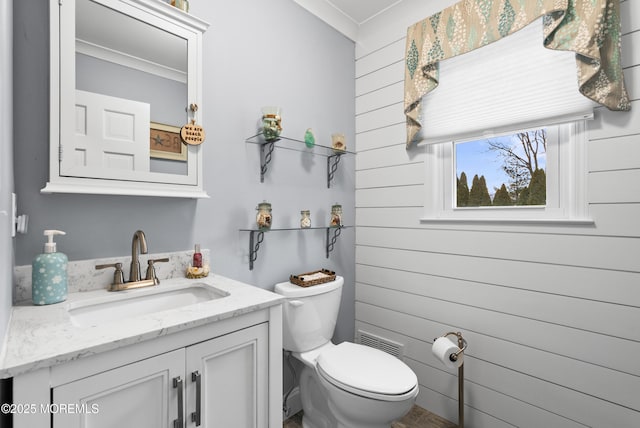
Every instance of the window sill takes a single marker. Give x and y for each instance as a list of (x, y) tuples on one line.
[(510, 221)]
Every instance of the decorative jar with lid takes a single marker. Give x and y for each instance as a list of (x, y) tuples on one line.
[(338, 143), (305, 219), (336, 216), (264, 218), (271, 122)]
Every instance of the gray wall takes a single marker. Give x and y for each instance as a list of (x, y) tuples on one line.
[(256, 53), (550, 312), (6, 156)]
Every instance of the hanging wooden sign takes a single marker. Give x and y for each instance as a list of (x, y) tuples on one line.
[(192, 134)]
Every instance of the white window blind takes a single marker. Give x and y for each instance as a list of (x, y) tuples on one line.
[(512, 83)]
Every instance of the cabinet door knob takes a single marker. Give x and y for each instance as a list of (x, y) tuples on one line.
[(196, 416)]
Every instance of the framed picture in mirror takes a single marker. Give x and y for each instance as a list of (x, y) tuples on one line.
[(165, 142)]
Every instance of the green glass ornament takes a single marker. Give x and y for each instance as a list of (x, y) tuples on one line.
[(309, 139)]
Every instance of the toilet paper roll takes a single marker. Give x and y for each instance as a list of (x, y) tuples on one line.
[(442, 348)]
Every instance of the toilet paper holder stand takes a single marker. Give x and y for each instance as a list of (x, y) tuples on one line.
[(462, 345)]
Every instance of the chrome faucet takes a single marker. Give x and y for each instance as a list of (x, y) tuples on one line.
[(138, 241)]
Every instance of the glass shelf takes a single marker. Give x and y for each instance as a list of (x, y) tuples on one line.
[(286, 143), (256, 236)]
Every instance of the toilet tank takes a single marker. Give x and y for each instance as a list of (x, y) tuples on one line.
[(309, 314)]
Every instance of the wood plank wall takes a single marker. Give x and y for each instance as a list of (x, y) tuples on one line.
[(551, 314)]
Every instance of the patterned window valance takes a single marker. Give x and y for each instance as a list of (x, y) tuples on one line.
[(590, 28)]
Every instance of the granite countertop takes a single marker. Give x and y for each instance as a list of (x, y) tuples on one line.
[(43, 336)]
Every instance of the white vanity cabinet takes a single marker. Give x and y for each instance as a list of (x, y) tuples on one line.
[(234, 378), (139, 395), (125, 76), (220, 382), (224, 374)]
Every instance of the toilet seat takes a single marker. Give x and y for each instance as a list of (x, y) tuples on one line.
[(367, 372)]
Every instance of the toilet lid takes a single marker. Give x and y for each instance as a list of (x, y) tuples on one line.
[(291, 290), (366, 369)]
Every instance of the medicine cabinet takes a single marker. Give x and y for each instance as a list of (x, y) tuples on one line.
[(126, 75)]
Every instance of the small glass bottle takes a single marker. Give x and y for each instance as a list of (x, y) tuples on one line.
[(197, 257), (264, 218), (336, 216), (305, 220)]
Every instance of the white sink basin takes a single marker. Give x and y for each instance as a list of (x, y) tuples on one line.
[(119, 305)]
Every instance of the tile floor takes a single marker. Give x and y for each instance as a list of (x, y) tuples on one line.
[(416, 418)]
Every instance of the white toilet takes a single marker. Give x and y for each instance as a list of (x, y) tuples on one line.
[(346, 385)]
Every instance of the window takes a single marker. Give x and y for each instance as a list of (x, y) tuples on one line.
[(504, 170), (562, 162), (512, 86)]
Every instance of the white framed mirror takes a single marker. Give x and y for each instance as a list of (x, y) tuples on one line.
[(123, 76)]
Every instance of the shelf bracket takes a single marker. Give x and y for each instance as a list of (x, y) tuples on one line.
[(266, 150), (332, 167), (331, 241), (254, 245)]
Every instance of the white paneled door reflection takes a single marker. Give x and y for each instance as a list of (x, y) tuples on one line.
[(111, 138)]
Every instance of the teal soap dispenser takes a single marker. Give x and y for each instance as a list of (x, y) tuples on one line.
[(49, 273)]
